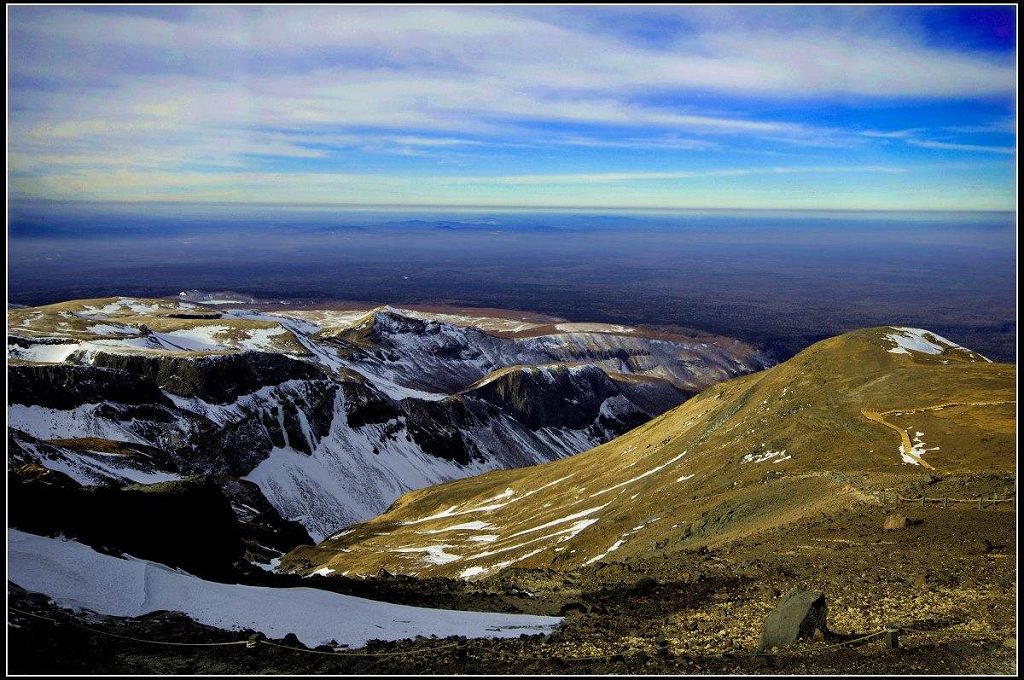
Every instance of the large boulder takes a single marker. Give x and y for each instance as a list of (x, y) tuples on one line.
[(800, 615)]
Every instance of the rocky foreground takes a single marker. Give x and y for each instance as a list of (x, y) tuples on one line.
[(946, 579)]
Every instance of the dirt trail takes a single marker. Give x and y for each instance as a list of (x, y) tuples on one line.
[(908, 447), (938, 407)]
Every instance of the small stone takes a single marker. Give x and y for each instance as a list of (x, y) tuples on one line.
[(572, 607), (895, 521), (643, 586), (921, 581)]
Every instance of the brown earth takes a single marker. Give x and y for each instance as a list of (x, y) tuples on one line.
[(947, 581)]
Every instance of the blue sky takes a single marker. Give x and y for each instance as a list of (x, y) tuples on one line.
[(723, 107)]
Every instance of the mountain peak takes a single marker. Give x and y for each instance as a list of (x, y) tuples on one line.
[(389, 320), (828, 428), (918, 340)]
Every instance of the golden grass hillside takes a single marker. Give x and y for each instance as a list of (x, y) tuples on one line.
[(744, 456)]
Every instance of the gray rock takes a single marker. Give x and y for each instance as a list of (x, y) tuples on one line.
[(292, 640), (798, 615), (895, 521)]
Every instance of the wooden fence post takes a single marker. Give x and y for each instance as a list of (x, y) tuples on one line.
[(945, 501), (892, 638), (979, 502), (922, 499)]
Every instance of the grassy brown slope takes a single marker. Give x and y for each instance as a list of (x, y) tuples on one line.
[(692, 474)]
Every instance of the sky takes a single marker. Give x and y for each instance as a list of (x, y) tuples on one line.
[(831, 107)]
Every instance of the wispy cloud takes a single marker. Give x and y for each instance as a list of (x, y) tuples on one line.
[(337, 89), (892, 134), (608, 177), (948, 146)]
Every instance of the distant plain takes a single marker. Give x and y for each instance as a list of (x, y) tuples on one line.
[(782, 279)]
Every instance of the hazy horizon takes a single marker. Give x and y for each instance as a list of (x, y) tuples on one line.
[(778, 277), (412, 207)]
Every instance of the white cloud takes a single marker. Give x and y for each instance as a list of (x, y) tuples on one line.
[(892, 134), (723, 52), (949, 146), (606, 177), (728, 187), (219, 86), (153, 184)]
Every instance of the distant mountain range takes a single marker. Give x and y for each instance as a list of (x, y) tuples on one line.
[(286, 427)]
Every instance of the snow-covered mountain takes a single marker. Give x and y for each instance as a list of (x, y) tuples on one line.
[(331, 414)]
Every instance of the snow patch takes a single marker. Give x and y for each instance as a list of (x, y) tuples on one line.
[(323, 571), (485, 538), (913, 340), (764, 456), (560, 520), (468, 526), (77, 577), (435, 553), (612, 548), (562, 535), (198, 338), (917, 449), (92, 470), (111, 329), (52, 423), (42, 354), (640, 476), (593, 328)]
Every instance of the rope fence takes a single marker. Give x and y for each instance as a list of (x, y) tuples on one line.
[(818, 650), (664, 652), (980, 501), (250, 643), (125, 637), (404, 652), (462, 647)]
